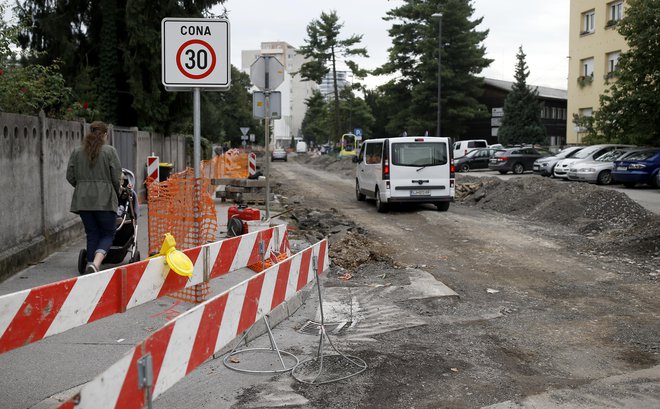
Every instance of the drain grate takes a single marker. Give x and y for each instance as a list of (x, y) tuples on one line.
[(314, 328)]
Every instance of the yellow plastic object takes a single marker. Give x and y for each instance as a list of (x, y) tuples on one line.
[(176, 260)]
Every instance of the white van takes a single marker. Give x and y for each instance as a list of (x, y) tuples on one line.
[(412, 169), (301, 147), (461, 148)]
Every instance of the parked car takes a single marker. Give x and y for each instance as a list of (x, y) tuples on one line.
[(588, 153), (461, 148), (516, 160), (599, 170), (475, 159), (545, 166), (639, 167), (278, 154)]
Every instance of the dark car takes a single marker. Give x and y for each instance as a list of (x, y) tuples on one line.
[(475, 159), (546, 166), (639, 167), (516, 160)]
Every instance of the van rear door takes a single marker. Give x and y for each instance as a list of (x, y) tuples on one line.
[(420, 169)]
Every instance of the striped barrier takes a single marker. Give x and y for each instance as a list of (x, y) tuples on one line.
[(30, 315), (252, 164), (153, 168), (187, 341)]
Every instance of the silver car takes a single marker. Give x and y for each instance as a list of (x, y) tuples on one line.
[(599, 170), (588, 153), (545, 166)]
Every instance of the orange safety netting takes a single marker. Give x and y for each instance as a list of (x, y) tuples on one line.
[(260, 266), (231, 164), (182, 206)]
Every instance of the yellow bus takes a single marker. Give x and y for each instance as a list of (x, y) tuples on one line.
[(348, 144)]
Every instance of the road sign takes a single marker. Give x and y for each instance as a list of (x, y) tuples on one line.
[(195, 53), (244, 130), (259, 105), (358, 133), (267, 73), (497, 112)]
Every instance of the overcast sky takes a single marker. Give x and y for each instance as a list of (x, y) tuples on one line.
[(541, 27)]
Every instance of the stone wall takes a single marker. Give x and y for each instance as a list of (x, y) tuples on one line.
[(34, 194)]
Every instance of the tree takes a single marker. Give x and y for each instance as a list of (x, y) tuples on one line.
[(323, 47), (521, 122), (110, 54), (629, 109), (414, 57), (315, 123)]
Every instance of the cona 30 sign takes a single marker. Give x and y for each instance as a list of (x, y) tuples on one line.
[(195, 53)]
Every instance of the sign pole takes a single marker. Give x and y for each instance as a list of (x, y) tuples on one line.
[(197, 158), (267, 120)]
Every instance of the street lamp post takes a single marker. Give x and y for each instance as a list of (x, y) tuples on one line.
[(438, 16)]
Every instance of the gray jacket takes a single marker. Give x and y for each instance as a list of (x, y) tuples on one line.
[(96, 185)]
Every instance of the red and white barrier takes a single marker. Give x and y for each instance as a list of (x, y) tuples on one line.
[(252, 164), (31, 315), (187, 341), (153, 168)]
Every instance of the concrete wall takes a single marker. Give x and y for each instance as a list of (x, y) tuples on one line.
[(35, 196)]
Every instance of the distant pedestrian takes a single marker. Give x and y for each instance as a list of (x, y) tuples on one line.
[(95, 173)]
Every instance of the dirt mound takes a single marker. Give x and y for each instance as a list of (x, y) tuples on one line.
[(342, 166), (608, 217)]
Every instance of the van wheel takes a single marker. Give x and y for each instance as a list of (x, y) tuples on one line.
[(442, 206), (359, 196), (380, 206), (518, 168)]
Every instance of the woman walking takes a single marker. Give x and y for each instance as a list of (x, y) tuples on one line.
[(95, 173)]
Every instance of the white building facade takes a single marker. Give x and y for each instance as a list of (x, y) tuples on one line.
[(294, 90)]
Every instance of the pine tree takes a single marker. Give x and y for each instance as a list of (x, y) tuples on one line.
[(521, 122), (324, 49), (411, 99)]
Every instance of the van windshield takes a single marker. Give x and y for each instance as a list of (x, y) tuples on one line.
[(419, 154)]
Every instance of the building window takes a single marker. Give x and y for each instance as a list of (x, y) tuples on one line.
[(612, 63), (588, 22), (586, 72), (615, 12)]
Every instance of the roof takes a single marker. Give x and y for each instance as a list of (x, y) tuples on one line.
[(544, 92)]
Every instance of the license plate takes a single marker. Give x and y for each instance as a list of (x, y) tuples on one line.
[(420, 193), (621, 168)]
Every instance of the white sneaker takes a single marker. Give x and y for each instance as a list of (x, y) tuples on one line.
[(91, 268)]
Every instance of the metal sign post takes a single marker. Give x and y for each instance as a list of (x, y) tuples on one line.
[(267, 73)]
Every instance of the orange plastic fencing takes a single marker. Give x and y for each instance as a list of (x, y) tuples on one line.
[(182, 206), (231, 164)]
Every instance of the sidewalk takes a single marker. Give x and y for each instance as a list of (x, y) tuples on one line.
[(42, 374)]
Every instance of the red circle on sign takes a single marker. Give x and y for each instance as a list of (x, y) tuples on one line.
[(186, 73)]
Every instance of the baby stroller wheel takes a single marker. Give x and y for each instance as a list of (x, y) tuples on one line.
[(135, 258), (82, 261)]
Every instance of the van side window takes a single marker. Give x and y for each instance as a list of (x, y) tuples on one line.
[(374, 153), (361, 153)]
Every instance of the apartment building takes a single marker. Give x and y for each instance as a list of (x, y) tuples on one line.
[(294, 90), (327, 87), (594, 50)]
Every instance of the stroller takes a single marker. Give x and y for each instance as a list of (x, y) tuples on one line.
[(125, 240)]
